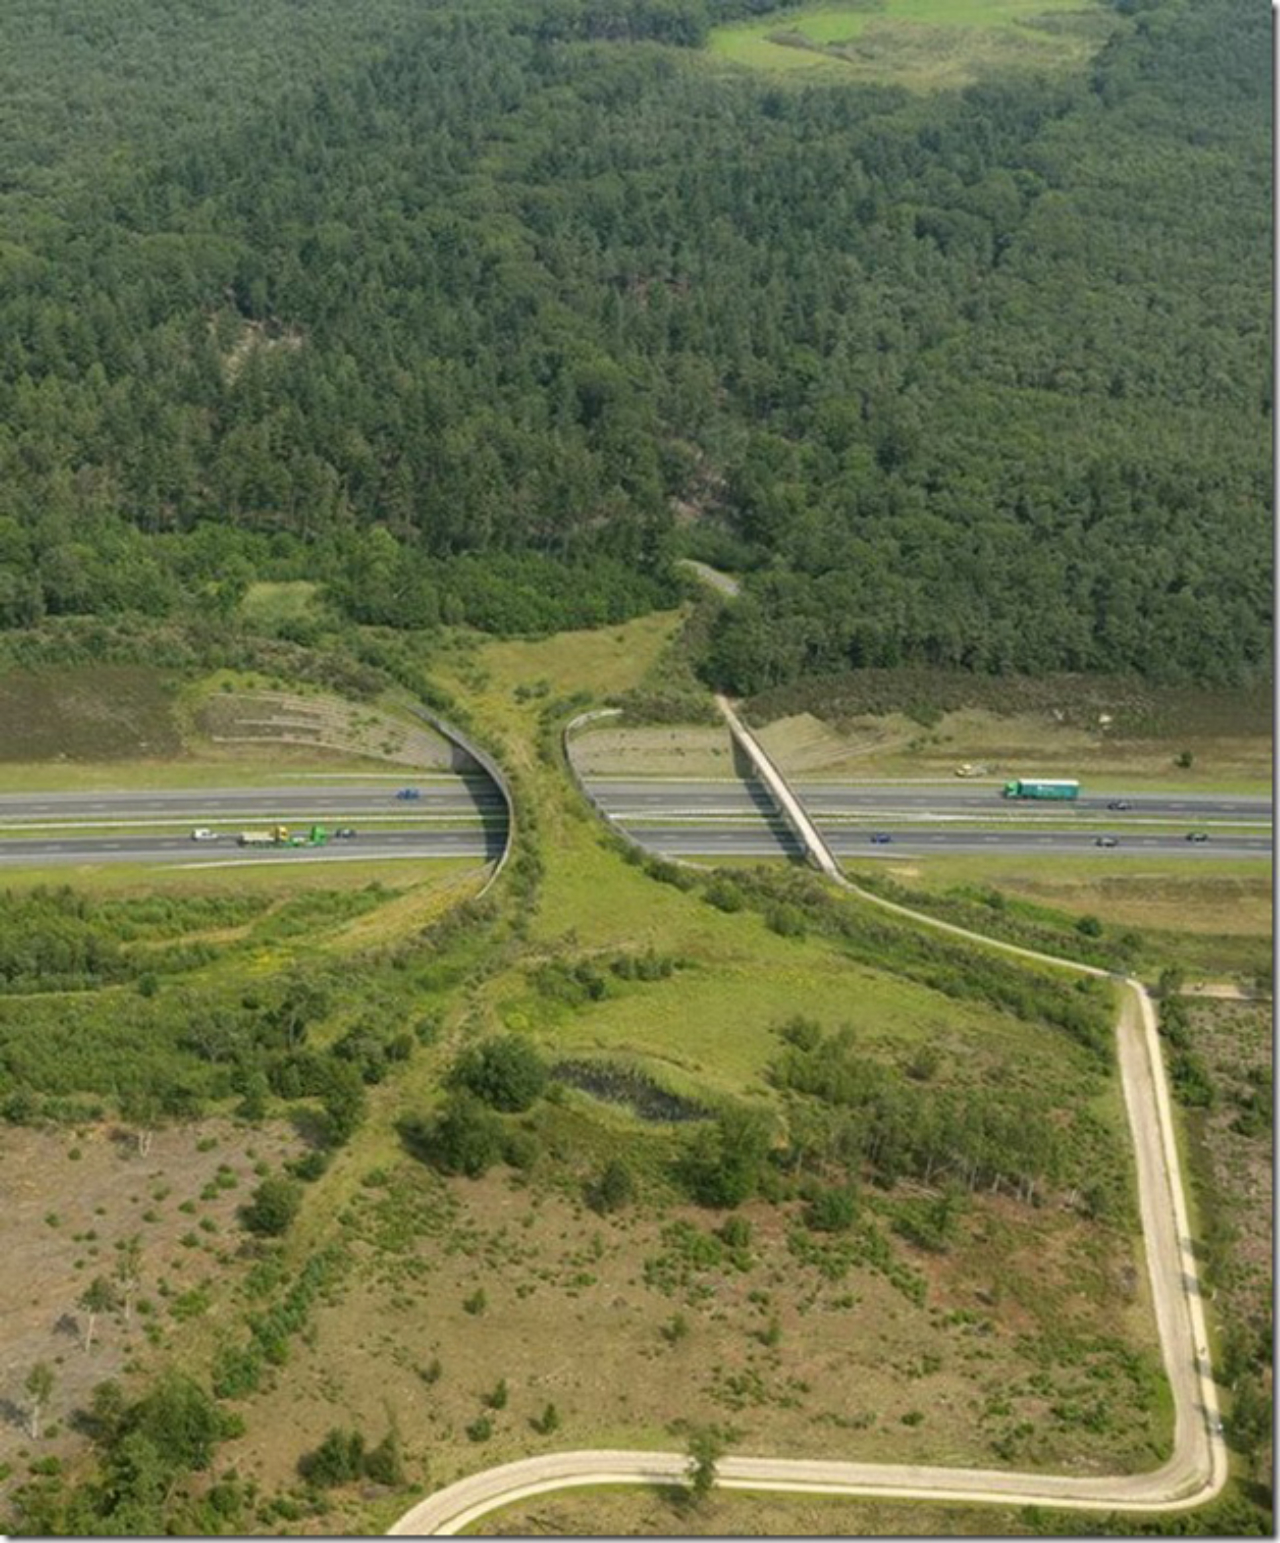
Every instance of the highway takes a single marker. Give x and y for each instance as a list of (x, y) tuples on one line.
[(453, 816), (692, 818), (483, 843), (209, 806), (916, 800), (773, 839), (457, 816)]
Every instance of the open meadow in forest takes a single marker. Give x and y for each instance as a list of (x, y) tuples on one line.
[(920, 44)]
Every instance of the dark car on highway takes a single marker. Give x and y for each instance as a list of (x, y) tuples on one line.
[(344, 833), (1106, 841), (880, 839), (1119, 803), (408, 793), (1197, 835)]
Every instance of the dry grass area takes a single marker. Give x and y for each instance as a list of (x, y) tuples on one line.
[(69, 1199), (603, 660), (465, 1285), (98, 713), (642, 1512), (414, 909), (683, 751), (1021, 745), (1212, 919), (125, 727), (231, 720), (1235, 1039), (1225, 899)]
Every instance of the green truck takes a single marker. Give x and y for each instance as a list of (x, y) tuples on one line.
[(1040, 787)]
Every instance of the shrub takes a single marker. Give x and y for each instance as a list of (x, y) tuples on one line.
[(385, 1464), (520, 1149), (832, 1210), (339, 1459), (736, 1232), (723, 1166), (506, 1073), (236, 1372), (725, 895), (786, 920), (274, 1205), (612, 1189), (464, 1138)]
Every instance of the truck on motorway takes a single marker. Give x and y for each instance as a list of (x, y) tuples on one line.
[(1041, 787), (278, 836)]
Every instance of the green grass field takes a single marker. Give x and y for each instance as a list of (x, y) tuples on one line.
[(921, 44), (267, 605)]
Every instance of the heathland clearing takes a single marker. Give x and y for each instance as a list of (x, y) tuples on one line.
[(921, 44)]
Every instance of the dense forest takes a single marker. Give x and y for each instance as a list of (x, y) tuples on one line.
[(483, 312)]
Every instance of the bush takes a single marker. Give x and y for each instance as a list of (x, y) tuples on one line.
[(339, 1459), (786, 920), (724, 1164), (520, 1149), (612, 1189), (273, 1207), (464, 1138), (725, 895), (385, 1464), (736, 1232), (505, 1073), (832, 1210), (236, 1372)]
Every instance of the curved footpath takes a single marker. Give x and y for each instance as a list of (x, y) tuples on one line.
[(1194, 1473)]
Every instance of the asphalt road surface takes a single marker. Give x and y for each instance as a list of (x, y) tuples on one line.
[(773, 839), (738, 819), (210, 806), (484, 844), (915, 800)]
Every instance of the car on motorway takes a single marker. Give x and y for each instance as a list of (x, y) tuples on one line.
[(407, 794), (344, 833), (881, 838), (1106, 841), (203, 833), (1197, 835), (1119, 803)]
